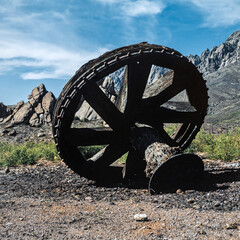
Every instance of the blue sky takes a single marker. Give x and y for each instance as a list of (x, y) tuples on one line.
[(48, 40)]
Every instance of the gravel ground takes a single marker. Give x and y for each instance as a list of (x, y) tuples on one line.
[(49, 201)]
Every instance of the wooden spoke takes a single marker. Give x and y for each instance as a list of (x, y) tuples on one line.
[(164, 135), (111, 153), (137, 75), (169, 92), (180, 131), (172, 116), (90, 136), (187, 134), (102, 105), (165, 115), (159, 85), (132, 88)]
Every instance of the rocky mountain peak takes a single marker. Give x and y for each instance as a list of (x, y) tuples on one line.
[(234, 38), (219, 56)]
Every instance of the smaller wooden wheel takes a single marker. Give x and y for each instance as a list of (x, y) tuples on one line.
[(133, 107)]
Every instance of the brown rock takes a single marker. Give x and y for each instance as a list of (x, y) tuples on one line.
[(34, 120), (48, 102), (23, 114), (37, 95), (12, 133), (19, 105), (47, 117), (7, 119), (39, 109)]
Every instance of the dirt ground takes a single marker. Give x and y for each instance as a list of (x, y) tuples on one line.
[(49, 201)]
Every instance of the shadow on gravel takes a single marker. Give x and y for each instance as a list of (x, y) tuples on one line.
[(212, 180), (218, 179)]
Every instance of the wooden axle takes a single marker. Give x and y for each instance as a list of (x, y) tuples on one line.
[(167, 167)]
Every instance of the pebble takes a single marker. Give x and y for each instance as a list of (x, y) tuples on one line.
[(234, 165), (191, 200), (202, 232), (217, 204), (40, 134), (12, 133), (189, 191), (141, 217), (89, 199), (7, 170), (179, 191), (233, 226)]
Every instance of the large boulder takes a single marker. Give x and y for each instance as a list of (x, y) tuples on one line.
[(37, 94), (37, 111), (23, 114), (48, 102)]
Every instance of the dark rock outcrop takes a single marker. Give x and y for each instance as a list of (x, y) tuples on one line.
[(4, 111)]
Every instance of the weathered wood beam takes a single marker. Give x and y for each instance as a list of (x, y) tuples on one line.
[(103, 106), (167, 93), (166, 115), (88, 136), (137, 75)]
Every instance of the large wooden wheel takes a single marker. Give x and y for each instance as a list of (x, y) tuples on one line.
[(131, 108)]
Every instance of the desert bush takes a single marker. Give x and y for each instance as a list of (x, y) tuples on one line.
[(225, 146), (27, 153), (89, 151)]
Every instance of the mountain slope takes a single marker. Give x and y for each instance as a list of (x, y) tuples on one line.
[(221, 69)]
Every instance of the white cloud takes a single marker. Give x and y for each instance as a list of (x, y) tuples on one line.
[(17, 50), (142, 7), (218, 12), (38, 47), (107, 1), (136, 8)]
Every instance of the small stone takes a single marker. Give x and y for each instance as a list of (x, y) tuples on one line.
[(233, 226), (4, 131), (40, 134), (202, 232), (196, 207), (189, 191), (21, 219), (179, 191), (88, 199), (7, 170), (191, 200), (39, 164), (141, 217), (12, 133), (217, 204)]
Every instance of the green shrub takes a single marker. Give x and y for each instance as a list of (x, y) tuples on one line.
[(223, 146), (89, 151), (27, 153)]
